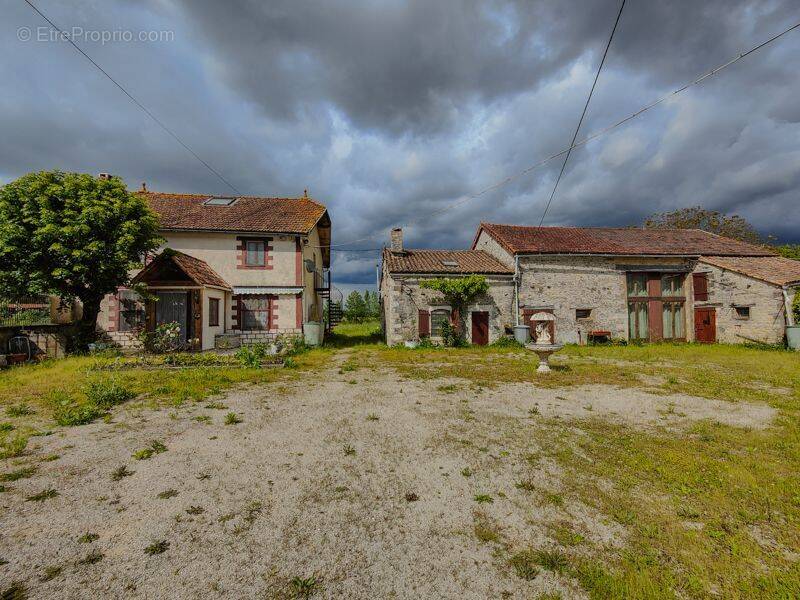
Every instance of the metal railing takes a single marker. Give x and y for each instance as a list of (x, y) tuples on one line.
[(25, 310)]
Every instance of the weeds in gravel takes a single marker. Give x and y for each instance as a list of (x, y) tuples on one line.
[(120, 472), (232, 419), (94, 556), (372, 417), (349, 450), (19, 410), (202, 419), (155, 447), (467, 472), (167, 494), (42, 496), (524, 565), (411, 497), (526, 485), (50, 573), (22, 473), (483, 499), (216, 405), (195, 510), (304, 587), (12, 447), (88, 538), (16, 591), (6, 427), (485, 531), (158, 547), (51, 457), (552, 560)]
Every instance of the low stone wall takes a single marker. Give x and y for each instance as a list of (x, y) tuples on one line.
[(48, 340)]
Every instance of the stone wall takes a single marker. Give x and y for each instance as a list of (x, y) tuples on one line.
[(728, 289), (565, 284), (403, 298)]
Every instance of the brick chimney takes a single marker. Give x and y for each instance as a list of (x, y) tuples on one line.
[(397, 240)]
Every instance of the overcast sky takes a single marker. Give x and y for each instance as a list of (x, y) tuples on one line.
[(387, 110)]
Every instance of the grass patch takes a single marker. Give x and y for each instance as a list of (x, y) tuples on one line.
[(167, 494), (19, 410), (158, 547), (483, 499), (42, 496), (88, 538), (50, 573), (120, 472), (155, 447), (524, 565), (232, 419), (349, 450), (13, 446), (304, 587), (22, 473)]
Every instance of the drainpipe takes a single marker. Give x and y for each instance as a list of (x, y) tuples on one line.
[(787, 303), (516, 290)]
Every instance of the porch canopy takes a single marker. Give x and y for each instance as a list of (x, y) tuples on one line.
[(179, 282), (172, 269)]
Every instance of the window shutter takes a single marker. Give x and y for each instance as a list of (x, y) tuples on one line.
[(424, 323), (700, 281)]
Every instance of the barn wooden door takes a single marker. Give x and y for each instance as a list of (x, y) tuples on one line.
[(705, 325), (480, 328)]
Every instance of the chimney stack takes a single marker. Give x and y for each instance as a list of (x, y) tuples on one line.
[(105, 176), (397, 240)]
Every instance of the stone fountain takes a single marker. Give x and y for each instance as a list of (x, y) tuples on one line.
[(543, 344)]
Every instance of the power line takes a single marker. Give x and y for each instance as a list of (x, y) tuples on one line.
[(583, 114), (583, 141), (134, 100)]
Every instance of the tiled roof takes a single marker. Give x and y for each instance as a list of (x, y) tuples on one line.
[(197, 270), (247, 213), (772, 269), (518, 239), (444, 261)]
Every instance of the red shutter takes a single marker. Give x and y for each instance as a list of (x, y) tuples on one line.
[(424, 323), (700, 281)]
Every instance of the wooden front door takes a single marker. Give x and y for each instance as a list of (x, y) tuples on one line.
[(480, 328), (705, 325)]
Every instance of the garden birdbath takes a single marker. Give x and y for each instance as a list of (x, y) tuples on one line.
[(543, 345)]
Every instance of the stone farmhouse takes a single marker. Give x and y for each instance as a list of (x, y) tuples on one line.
[(232, 270), (601, 283)]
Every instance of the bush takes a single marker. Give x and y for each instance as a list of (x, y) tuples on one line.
[(69, 413), (452, 337), (796, 307), (165, 338), (506, 342), (252, 356)]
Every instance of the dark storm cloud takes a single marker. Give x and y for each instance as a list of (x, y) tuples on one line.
[(390, 110)]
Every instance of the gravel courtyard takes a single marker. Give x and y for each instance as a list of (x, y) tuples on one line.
[(356, 483)]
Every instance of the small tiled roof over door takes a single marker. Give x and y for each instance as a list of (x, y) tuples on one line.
[(198, 271)]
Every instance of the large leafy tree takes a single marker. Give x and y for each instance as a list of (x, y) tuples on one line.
[(697, 217), (459, 293), (355, 309), (73, 235)]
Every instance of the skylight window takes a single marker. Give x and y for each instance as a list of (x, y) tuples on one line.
[(449, 263), (220, 201)]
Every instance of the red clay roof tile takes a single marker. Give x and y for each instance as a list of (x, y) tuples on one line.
[(444, 262), (518, 239)]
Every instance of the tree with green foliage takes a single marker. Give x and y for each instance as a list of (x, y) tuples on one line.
[(697, 217), (372, 305), (459, 293), (789, 250), (355, 309), (72, 235)]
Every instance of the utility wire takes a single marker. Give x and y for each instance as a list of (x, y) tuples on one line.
[(583, 114), (134, 100), (583, 141)]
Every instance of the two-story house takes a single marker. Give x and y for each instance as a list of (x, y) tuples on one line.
[(249, 266)]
